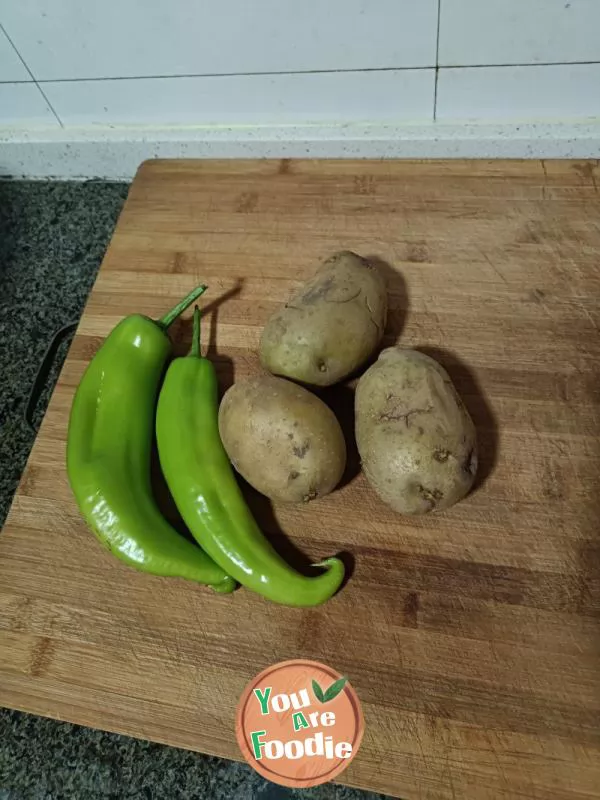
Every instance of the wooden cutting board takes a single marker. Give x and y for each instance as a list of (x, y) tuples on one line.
[(472, 637)]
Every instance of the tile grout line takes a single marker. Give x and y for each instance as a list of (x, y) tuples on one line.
[(438, 67), (437, 61), (257, 73), (41, 91)]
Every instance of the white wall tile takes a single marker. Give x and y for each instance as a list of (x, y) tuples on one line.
[(22, 105), (558, 93), (247, 99), (11, 66), (518, 31), (74, 39)]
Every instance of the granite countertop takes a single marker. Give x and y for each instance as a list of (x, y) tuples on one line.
[(52, 240)]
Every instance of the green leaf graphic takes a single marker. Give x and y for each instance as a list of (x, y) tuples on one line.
[(318, 691), (334, 689)]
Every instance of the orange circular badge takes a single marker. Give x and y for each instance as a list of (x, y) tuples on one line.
[(299, 723)]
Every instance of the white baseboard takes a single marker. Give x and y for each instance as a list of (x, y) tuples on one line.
[(115, 153)]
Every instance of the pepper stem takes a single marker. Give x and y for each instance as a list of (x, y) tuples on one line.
[(195, 351), (172, 315)]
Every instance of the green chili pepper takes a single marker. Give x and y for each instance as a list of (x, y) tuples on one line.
[(108, 452), (202, 483)]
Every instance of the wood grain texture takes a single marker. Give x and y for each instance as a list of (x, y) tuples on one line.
[(472, 637)]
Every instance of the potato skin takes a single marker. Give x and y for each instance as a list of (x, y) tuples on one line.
[(415, 437), (282, 439), (330, 326)]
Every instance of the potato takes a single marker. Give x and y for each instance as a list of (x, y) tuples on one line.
[(415, 437), (282, 439), (330, 326)]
